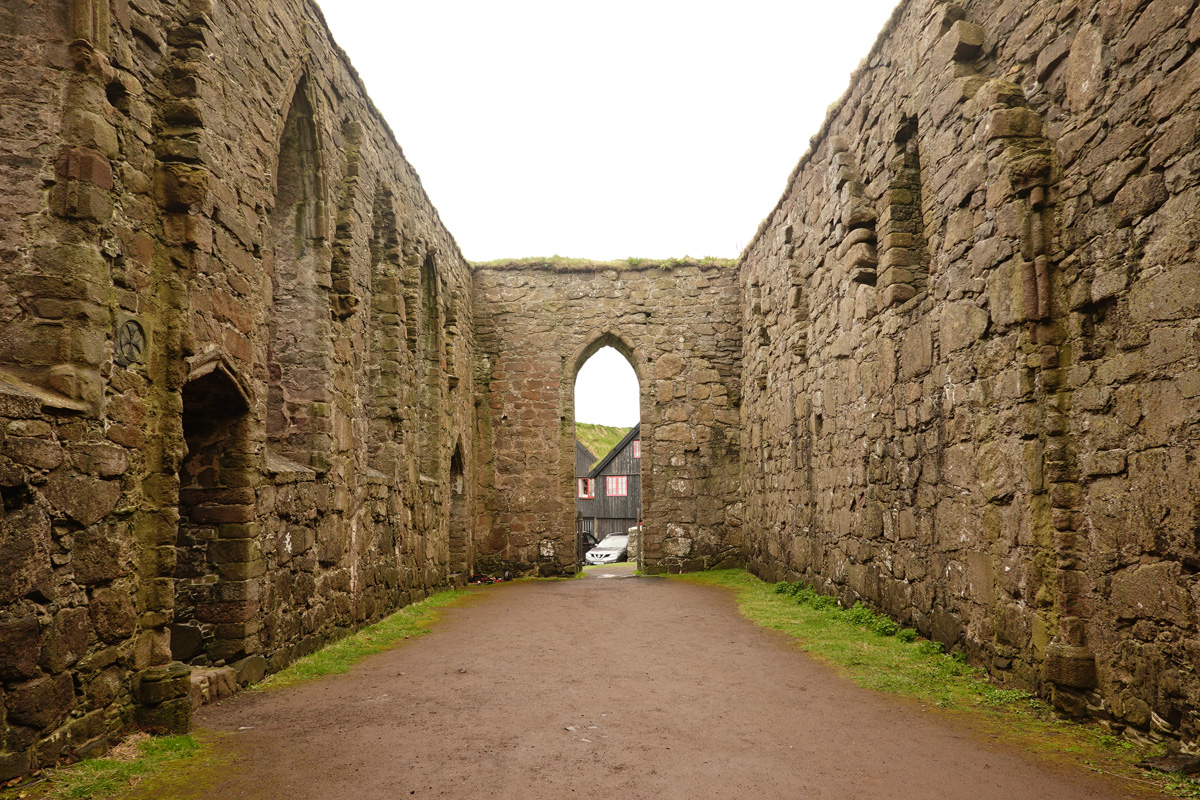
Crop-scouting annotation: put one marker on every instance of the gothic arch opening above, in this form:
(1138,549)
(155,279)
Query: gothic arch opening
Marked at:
(607,453)
(298,423)
(460,519)
(212,586)
(431,363)
(383,399)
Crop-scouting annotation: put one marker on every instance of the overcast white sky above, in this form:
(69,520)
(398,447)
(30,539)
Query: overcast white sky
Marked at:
(649,128)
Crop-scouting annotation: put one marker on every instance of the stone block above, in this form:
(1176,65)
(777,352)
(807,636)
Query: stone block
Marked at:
(1171,294)
(101,554)
(20,639)
(916,351)
(1151,591)
(81,201)
(1084,68)
(83,498)
(41,703)
(241,570)
(180,187)
(222,551)
(66,639)
(1103,462)
(25,554)
(103,460)
(1003,123)
(250,670)
(113,615)
(896,294)
(171,717)
(963,42)
(161,684)
(36,453)
(860,255)
(1069,666)
(91,133)
(963,324)
(998,93)
(1139,197)
(14,765)
(226,612)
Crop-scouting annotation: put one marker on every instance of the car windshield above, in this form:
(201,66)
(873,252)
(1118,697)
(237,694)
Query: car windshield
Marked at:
(614,540)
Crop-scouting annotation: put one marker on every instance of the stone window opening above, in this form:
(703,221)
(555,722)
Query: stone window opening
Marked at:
(384,396)
(903,252)
(431,359)
(216,508)
(299,358)
(459,522)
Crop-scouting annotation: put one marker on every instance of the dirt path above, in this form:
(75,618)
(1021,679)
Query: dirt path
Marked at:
(607,688)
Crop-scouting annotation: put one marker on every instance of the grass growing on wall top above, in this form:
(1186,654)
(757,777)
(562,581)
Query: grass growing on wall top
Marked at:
(340,656)
(874,652)
(563,263)
(599,439)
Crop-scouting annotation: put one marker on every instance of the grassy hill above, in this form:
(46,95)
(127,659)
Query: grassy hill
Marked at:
(599,438)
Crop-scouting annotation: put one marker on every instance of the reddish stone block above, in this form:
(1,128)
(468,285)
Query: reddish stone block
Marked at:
(88,166)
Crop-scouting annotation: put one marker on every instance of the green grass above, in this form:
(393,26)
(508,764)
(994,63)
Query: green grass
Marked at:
(599,439)
(564,263)
(877,654)
(343,654)
(139,758)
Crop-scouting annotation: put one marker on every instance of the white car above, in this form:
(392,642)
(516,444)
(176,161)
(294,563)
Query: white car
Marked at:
(612,548)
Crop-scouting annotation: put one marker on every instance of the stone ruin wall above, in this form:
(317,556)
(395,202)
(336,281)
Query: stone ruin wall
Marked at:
(287,456)
(955,374)
(678,325)
(971,376)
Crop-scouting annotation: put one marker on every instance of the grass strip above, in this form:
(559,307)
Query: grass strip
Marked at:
(138,758)
(874,652)
(338,657)
(142,758)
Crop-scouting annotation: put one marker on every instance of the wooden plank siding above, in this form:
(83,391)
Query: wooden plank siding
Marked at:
(584,459)
(610,511)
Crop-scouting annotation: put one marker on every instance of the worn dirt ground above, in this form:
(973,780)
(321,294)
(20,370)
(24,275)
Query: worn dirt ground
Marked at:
(608,688)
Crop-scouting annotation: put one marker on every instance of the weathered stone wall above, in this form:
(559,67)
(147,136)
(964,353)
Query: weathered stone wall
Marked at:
(252,396)
(678,324)
(970,360)
(234,361)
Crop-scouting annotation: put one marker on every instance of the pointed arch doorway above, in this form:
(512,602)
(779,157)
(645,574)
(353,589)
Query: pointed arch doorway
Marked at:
(608,455)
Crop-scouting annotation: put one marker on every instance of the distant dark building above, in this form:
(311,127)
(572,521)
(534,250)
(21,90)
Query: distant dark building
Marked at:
(608,497)
(584,527)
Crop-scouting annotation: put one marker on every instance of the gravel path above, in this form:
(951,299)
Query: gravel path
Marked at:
(608,687)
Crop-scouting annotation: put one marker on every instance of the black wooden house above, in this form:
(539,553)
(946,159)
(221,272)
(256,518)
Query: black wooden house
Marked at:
(608,499)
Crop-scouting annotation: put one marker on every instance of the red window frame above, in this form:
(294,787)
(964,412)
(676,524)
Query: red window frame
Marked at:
(616,486)
(586,488)
(637,448)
